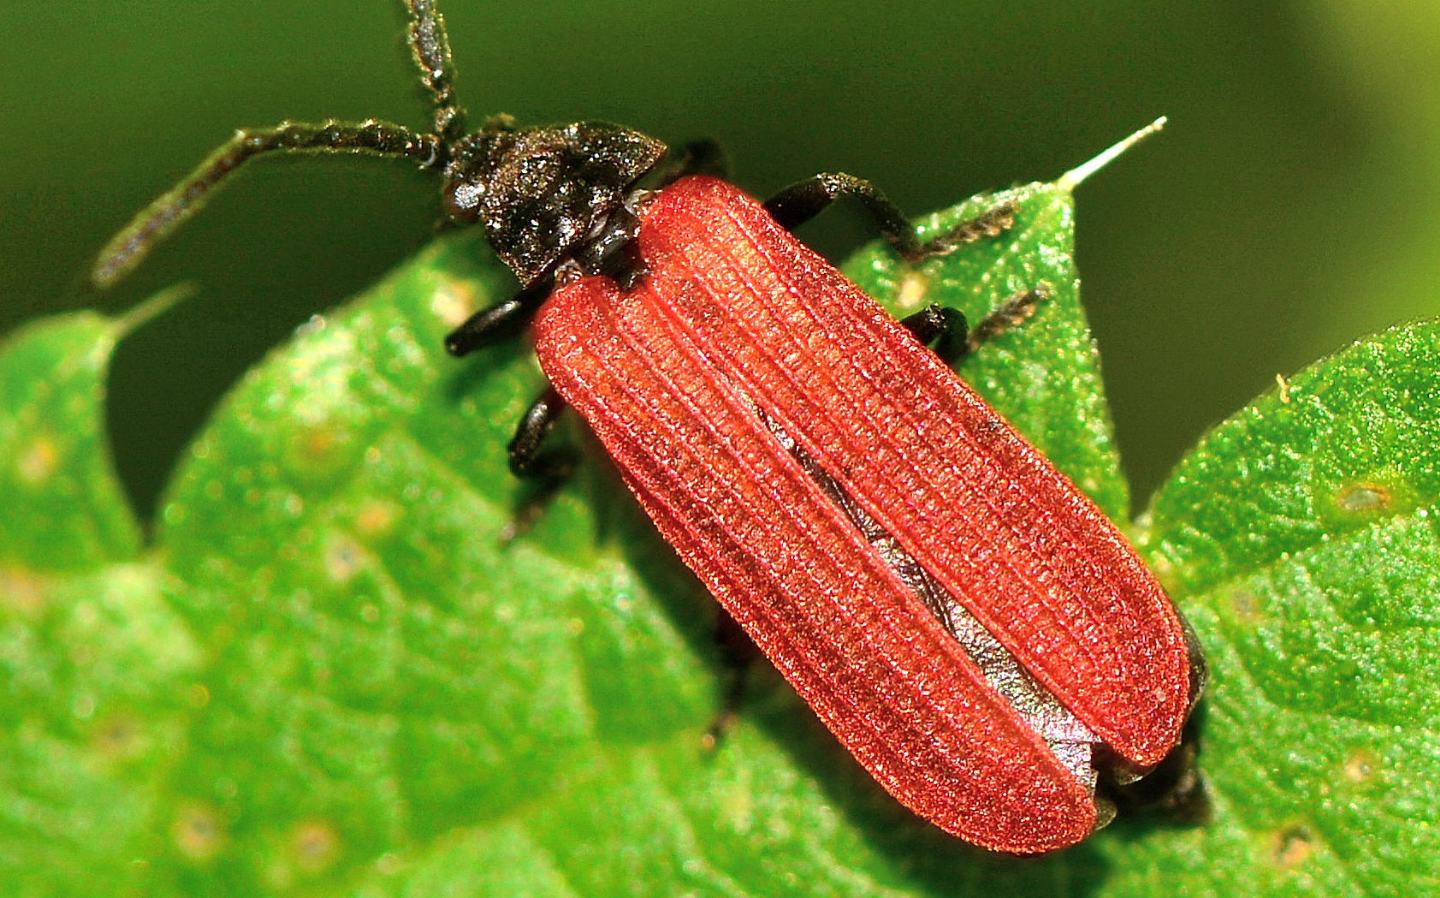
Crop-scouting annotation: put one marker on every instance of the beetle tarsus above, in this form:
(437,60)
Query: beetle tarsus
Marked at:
(1011,313)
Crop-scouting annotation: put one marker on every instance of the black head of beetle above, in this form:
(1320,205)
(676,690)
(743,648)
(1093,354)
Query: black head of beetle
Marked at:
(542,193)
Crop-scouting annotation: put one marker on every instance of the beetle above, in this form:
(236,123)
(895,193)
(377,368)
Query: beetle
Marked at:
(964,620)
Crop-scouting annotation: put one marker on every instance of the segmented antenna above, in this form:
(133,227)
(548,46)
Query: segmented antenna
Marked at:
(160,219)
(430,47)
(431,50)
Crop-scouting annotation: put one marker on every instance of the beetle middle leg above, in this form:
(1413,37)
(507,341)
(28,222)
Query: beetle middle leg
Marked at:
(801,202)
(530,460)
(947,331)
(738,656)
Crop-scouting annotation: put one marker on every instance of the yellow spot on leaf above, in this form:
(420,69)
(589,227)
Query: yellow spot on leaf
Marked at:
(321,451)
(1360,767)
(343,558)
(375,518)
(1246,606)
(38,461)
(452,302)
(198,832)
(1292,845)
(119,737)
(913,288)
(315,845)
(20,593)
(318,442)
(1362,497)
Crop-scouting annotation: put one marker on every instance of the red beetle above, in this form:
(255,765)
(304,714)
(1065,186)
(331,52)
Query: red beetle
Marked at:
(965,621)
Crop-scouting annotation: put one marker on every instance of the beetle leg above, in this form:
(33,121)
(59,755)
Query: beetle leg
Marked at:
(1013,312)
(943,329)
(947,331)
(526,458)
(1175,790)
(738,654)
(503,320)
(530,462)
(160,218)
(548,470)
(801,202)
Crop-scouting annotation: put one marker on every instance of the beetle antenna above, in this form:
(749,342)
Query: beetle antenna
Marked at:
(430,46)
(156,222)
(1072,178)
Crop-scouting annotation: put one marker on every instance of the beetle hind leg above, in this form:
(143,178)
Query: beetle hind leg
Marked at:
(947,331)
(801,202)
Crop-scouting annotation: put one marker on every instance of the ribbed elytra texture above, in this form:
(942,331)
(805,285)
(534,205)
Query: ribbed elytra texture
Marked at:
(735,315)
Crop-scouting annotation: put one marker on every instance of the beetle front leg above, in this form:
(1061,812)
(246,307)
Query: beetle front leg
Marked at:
(801,202)
(501,321)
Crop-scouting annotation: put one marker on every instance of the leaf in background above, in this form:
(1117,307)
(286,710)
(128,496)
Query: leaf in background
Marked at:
(1300,536)
(93,663)
(64,509)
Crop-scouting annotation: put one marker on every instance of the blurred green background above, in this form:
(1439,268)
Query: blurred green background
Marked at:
(1290,207)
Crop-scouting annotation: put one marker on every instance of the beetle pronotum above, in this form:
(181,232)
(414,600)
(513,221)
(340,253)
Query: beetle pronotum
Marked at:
(967,623)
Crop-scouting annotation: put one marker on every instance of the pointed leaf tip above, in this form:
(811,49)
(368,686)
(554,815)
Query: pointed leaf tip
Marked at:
(1072,178)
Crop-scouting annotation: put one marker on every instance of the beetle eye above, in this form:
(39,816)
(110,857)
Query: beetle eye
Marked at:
(462,200)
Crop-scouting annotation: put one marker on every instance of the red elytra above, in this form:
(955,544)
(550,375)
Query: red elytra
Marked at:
(740,340)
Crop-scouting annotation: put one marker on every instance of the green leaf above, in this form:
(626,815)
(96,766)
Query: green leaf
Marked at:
(64,509)
(339,671)
(94,663)
(1301,538)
